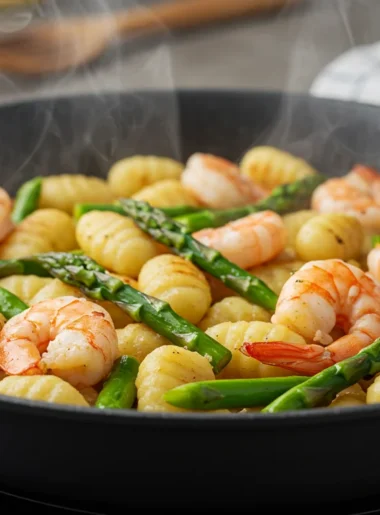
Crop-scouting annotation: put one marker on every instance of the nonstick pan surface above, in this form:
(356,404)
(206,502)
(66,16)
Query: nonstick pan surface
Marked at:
(186,460)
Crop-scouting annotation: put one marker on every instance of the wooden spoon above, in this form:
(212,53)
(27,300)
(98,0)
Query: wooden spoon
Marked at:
(71,42)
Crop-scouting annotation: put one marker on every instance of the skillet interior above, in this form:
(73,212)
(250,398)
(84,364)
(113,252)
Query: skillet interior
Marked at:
(86,135)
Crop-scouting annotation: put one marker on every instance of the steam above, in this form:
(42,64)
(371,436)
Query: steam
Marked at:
(323,128)
(126,68)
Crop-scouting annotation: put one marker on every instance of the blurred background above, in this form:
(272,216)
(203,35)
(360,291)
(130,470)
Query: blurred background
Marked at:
(289,49)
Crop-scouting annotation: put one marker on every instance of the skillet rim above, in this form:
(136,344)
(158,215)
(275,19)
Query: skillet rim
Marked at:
(199,421)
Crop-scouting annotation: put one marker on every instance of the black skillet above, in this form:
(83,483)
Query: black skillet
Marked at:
(186,461)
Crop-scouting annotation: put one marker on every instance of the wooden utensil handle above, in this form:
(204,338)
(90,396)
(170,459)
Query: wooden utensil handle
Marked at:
(187,13)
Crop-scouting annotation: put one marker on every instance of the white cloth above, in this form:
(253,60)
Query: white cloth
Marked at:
(354,75)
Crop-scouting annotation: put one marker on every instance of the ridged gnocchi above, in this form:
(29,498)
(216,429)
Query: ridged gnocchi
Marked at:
(234,334)
(115,242)
(53,289)
(139,340)
(293,223)
(233,309)
(25,286)
(46,388)
(330,236)
(271,167)
(65,190)
(275,275)
(44,230)
(166,193)
(177,281)
(165,368)
(129,175)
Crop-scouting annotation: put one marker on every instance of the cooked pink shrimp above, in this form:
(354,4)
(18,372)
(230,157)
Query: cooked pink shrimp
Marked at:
(6,224)
(373,262)
(217,182)
(319,297)
(249,241)
(356,194)
(70,337)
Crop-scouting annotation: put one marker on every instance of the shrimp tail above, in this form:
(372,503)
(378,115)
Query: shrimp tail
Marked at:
(303,359)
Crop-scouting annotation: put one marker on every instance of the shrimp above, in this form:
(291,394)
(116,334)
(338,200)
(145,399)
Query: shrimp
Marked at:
(70,337)
(373,262)
(319,298)
(249,241)
(217,183)
(356,194)
(6,223)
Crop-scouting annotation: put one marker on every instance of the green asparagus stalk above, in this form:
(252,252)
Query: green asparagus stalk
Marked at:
(283,199)
(10,304)
(27,199)
(84,273)
(119,390)
(21,267)
(320,389)
(174,235)
(82,209)
(375,240)
(230,393)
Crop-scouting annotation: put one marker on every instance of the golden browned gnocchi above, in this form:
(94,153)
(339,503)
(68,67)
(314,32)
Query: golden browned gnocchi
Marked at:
(293,223)
(275,275)
(165,368)
(272,167)
(177,281)
(131,174)
(329,236)
(115,242)
(45,388)
(139,340)
(234,334)
(166,193)
(233,309)
(64,191)
(45,230)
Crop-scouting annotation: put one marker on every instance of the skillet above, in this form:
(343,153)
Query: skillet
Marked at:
(185,460)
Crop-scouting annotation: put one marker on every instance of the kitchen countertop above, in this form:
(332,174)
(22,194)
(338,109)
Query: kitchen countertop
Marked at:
(283,51)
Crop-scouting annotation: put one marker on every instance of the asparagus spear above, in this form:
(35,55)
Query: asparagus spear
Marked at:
(230,393)
(92,279)
(320,389)
(10,304)
(119,390)
(174,235)
(82,209)
(27,199)
(283,199)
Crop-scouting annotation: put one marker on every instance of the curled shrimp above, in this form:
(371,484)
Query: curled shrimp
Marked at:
(217,182)
(249,241)
(373,262)
(319,297)
(6,223)
(70,337)
(356,194)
